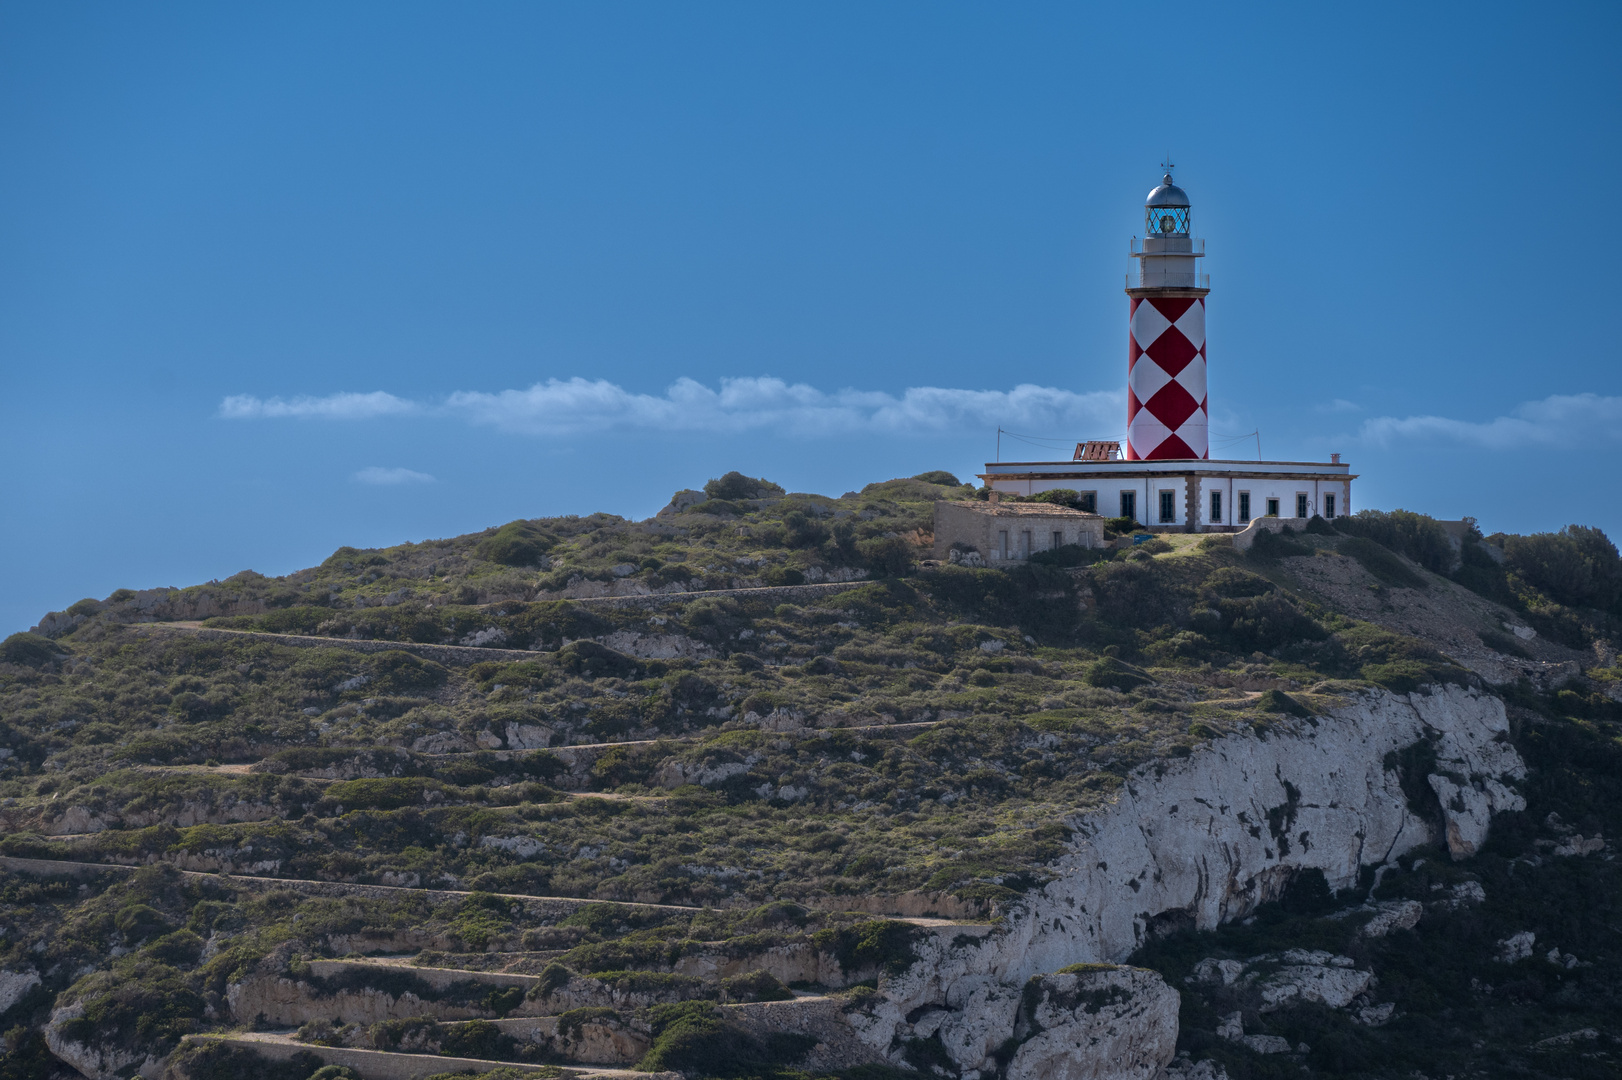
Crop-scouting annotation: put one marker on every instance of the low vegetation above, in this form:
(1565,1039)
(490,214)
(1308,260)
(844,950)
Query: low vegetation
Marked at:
(708,775)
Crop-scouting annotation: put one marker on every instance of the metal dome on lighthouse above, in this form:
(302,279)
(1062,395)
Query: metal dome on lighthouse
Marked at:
(1167,411)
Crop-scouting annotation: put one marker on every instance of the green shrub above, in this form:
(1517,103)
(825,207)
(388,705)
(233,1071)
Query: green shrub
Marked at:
(1418,536)
(138,922)
(881,943)
(379,793)
(211,1059)
(1115,674)
(755,986)
(399,672)
(517,543)
(1069,555)
(29,650)
(939,476)
(590,660)
(1577,566)
(735,485)
(179,949)
(886,556)
(696,1037)
(1054,497)
(1380,562)
(1271,546)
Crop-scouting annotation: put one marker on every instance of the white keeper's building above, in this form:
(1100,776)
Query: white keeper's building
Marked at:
(1164,477)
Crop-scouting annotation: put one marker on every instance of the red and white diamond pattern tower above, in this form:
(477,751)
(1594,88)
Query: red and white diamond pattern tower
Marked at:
(1167,409)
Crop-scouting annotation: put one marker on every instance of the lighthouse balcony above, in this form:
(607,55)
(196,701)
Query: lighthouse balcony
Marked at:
(1167,279)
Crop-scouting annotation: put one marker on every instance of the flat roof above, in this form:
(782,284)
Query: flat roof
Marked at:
(1029,509)
(1175,466)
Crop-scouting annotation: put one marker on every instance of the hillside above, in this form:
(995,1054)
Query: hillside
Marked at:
(756,788)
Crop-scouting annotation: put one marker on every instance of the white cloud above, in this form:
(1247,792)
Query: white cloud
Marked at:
(1340,405)
(1563,420)
(569,407)
(332,407)
(377,475)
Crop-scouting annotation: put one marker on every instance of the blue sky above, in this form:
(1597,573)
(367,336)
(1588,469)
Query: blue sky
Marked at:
(280,277)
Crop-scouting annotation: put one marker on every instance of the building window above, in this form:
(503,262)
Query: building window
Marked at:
(1244,507)
(1216,508)
(1129,505)
(1025,543)
(1272,508)
(1168,507)
(1058,539)
(1088,501)
(1302,504)
(1002,544)
(1329,506)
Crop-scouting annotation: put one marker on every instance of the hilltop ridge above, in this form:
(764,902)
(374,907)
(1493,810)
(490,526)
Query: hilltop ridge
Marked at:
(755,787)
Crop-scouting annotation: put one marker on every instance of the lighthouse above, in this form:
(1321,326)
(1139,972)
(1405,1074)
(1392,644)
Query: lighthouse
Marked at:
(1167,410)
(1163,478)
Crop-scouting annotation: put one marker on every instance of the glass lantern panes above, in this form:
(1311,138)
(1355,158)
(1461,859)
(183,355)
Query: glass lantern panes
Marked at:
(1166,221)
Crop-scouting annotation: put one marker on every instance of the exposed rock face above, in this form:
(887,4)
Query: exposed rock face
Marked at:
(13,985)
(1395,915)
(281,1000)
(1203,840)
(92,1059)
(657,646)
(1118,1023)
(1312,975)
(822,1018)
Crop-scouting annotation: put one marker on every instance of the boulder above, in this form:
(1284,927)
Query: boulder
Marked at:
(1102,1021)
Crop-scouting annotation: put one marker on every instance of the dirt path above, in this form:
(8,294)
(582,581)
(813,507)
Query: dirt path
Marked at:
(384,1065)
(73,867)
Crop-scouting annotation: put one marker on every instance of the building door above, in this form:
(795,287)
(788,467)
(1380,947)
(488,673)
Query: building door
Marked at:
(1129,505)
(1302,504)
(1025,544)
(1168,507)
(1216,508)
(1058,539)
(1329,506)
(1002,545)
(1244,507)
(1272,508)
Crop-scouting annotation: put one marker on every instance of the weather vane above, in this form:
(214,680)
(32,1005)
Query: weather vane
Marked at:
(1168,164)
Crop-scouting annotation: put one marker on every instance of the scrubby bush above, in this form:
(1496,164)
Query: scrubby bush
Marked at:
(886,556)
(735,486)
(1418,536)
(29,650)
(939,476)
(398,672)
(517,543)
(1577,566)
(1380,562)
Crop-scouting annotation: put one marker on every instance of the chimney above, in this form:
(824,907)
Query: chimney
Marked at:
(1334,459)
(993,496)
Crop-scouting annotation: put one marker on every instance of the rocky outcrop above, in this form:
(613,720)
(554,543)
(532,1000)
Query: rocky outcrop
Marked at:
(821,1018)
(1205,839)
(1115,1023)
(608,1039)
(93,1059)
(14,984)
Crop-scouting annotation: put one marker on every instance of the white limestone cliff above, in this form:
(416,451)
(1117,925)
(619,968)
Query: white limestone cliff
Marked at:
(1201,840)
